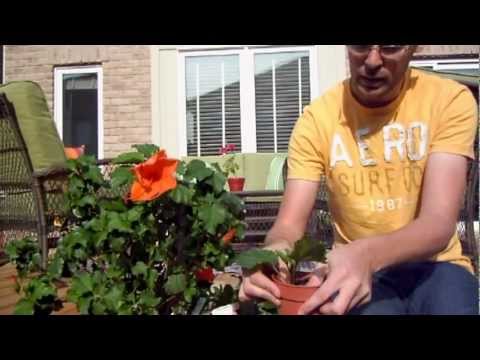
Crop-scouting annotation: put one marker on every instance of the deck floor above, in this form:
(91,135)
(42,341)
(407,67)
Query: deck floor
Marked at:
(8,296)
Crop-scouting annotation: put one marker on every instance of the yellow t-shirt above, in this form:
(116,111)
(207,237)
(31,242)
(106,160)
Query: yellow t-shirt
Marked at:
(373,159)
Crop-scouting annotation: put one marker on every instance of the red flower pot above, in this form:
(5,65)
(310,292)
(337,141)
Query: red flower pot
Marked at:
(236,183)
(292,296)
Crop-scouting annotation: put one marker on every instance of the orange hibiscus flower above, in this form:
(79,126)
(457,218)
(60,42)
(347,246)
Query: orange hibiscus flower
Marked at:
(74,152)
(228,236)
(154,177)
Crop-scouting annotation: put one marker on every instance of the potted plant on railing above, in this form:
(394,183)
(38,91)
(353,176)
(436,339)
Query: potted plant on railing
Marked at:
(298,261)
(230,168)
(148,238)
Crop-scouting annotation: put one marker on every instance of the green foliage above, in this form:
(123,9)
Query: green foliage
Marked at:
(305,249)
(25,254)
(123,257)
(230,166)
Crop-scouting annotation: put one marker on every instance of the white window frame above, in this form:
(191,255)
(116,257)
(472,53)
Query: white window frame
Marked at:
(246,56)
(58,99)
(447,64)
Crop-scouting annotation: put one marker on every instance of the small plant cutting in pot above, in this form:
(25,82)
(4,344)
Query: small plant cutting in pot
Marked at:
(230,168)
(293,291)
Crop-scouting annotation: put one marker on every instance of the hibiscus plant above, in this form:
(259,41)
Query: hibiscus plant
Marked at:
(146,238)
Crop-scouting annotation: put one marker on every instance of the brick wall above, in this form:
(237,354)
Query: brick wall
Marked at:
(126,84)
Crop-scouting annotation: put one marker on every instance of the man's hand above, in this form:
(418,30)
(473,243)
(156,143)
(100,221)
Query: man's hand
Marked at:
(297,204)
(348,283)
(258,285)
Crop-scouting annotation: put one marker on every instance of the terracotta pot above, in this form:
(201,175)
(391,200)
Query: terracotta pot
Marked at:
(293,296)
(236,183)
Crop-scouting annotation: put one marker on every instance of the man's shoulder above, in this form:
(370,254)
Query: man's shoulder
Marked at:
(330,101)
(424,81)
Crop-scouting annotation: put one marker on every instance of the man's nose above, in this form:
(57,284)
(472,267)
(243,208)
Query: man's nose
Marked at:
(374,60)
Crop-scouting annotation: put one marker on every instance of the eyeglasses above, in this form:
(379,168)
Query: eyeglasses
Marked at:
(384,50)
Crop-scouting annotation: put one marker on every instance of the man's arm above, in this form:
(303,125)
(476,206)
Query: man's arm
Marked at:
(351,266)
(442,194)
(297,204)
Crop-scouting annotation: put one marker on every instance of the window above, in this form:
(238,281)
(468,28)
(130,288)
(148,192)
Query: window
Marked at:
(282,89)
(250,97)
(467,66)
(78,108)
(212,103)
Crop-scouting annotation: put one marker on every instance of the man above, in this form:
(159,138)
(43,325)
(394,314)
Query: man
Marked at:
(392,143)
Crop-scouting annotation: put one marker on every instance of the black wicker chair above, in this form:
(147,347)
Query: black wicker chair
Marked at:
(31,202)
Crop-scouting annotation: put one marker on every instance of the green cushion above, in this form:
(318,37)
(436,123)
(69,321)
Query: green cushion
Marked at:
(36,124)
(257,168)
(275,175)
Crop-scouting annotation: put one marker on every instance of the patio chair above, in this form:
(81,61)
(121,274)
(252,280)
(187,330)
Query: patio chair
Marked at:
(33,174)
(262,209)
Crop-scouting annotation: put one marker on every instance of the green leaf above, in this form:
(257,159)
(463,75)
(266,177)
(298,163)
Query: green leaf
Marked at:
(116,244)
(116,222)
(11,250)
(152,277)
(84,305)
(212,216)
(135,213)
(114,273)
(147,150)
(175,284)
(129,158)
(190,293)
(233,203)
(24,307)
(87,200)
(182,194)
(181,168)
(307,249)
(55,268)
(217,182)
(122,176)
(98,308)
(82,284)
(80,254)
(256,257)
(125,310)
(198,170)
(75,183)
(40,288)
(99,239)
(113,299)
(112,205)
(149,299)
(140,268)
(94,174)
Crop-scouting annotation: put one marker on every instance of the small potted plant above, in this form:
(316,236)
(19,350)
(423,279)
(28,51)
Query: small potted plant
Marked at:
(230,168)
(293,291)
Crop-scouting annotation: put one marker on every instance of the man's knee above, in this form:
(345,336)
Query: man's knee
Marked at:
(447,289)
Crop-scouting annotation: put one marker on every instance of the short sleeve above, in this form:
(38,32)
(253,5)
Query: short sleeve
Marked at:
(457,126)
(306,160)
